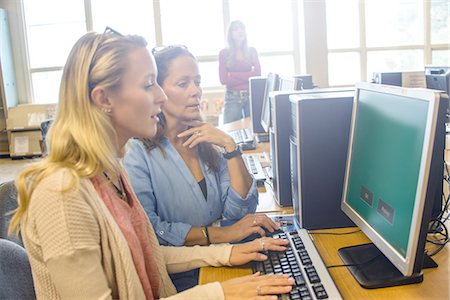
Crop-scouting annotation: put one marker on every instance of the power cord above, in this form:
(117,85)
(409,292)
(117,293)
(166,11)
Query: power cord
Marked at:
(437,228)
(440,236)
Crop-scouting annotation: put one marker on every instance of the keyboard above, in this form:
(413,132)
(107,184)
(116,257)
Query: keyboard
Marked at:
(242,136)
(302,262)
(254,167)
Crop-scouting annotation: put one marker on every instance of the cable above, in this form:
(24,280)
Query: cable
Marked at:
(352,265)
(335,233)
(440,230)
(437,226)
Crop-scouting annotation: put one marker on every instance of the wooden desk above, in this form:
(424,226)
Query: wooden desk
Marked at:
(435,285)
(267,202)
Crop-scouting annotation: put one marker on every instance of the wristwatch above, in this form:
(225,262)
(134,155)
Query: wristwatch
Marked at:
(234,153)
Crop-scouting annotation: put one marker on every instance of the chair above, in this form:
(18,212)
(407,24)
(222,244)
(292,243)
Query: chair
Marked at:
(45,125)
(16,281)
(8,203)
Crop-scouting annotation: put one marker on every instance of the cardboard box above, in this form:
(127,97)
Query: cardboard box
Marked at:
(29,116)
(25,143)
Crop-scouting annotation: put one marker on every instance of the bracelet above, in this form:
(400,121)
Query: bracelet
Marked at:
(234,153)
(206,234)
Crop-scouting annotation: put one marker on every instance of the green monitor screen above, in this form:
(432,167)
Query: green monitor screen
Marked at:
(388,168)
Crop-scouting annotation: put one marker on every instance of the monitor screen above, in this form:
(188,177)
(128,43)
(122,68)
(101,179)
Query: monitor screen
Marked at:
(272,84)
(395,154)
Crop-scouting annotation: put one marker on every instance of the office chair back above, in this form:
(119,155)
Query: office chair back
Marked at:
(16,281)
(8,203)
(45,125)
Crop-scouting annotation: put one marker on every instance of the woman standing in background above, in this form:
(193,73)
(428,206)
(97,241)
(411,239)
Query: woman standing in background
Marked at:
(237,64)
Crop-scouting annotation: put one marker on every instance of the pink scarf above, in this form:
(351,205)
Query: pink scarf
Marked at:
(132,221)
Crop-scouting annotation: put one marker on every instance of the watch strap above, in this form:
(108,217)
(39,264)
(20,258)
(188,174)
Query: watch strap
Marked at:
(234,153)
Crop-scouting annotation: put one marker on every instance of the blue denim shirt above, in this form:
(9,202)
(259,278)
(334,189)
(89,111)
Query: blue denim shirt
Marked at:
(172,197)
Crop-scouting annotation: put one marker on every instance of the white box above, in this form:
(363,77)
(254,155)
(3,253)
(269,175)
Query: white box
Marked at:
(25,143)
(29,116)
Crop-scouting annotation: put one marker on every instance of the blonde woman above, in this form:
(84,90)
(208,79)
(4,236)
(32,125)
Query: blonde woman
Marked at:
(237,64)
(86,234)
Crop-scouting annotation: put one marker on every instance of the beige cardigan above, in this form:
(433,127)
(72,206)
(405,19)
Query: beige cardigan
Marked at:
(77,250)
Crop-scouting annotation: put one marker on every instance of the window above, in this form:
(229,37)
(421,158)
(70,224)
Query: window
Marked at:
(131,16)
(342,27)
(197,24)
(48,21)
(394,38)
(394,23)
(343,68)
(270,31)
(200,25)
(359,36)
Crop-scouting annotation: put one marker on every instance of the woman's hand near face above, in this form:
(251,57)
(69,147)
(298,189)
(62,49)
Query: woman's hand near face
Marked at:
(201,132)
(257,287)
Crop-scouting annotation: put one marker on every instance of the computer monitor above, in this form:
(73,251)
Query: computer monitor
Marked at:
(257,87)
(272,84)
(394,166)
(287,84)
(438,78)
(303,82)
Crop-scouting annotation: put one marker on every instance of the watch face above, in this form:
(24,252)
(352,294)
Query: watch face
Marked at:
(236,152)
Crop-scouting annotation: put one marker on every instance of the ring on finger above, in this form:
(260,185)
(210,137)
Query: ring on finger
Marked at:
(262,243)
(255,221)
(258,290)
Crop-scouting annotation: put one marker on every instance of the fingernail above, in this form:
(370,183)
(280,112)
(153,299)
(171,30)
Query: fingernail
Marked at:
(291,280)
(263,257)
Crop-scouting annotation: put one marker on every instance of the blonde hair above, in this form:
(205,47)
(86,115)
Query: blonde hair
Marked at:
(81,138)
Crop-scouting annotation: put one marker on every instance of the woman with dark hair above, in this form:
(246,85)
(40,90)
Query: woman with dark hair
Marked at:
(237,64)
(184,182)
(182,178)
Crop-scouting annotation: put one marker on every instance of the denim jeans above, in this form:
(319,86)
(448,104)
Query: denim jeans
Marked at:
(236,106)
(185,280)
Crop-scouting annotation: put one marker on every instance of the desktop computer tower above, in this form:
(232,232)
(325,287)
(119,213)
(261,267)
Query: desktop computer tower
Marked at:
(415,79)
(279,146)
(438,78)
(319,141)
(279,131)
(257,86)
(303,82)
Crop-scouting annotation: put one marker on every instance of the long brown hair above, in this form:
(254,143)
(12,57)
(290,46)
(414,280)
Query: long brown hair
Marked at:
(163,59)
(232,47)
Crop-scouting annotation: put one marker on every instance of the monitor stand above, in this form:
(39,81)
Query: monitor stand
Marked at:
(262,137)
(373,270)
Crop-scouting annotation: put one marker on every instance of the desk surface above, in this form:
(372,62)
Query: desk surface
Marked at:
(267,202)
(436,284)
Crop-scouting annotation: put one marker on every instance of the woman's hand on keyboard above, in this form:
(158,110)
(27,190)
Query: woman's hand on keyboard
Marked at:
(244,253)
(248,225)
(257,287)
